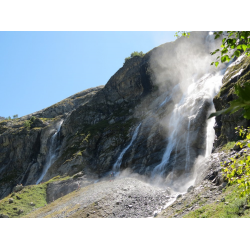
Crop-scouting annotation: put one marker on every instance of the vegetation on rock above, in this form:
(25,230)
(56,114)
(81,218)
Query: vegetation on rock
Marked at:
(135,53)
(237,171)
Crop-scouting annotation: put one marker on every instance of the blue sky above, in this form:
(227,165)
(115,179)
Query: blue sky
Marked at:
(38,69)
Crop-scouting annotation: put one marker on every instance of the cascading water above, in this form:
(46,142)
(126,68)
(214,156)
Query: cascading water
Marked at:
(116,166)
(185,114)
(52,153)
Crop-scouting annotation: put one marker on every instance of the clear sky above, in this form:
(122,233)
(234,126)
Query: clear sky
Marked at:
(38,69)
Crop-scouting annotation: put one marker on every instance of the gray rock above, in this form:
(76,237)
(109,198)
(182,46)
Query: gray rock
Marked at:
(18,197)
(190,189)
(224,184)
(213,188)
(11,200)
(20,211)
(4,216)
(179,196)
(223,199)
(17,188)
(32,204)
(112,121)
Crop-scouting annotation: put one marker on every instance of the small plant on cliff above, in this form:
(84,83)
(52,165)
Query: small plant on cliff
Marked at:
(237,171)
(27,124)
(32,119)
(135,53)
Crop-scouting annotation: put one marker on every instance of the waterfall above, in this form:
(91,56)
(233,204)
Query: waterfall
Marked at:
(185,116)
(52,153)
(116,166)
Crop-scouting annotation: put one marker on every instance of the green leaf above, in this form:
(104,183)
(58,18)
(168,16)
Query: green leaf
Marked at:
(224,51)
(237,53)
(225,58)
(244,47)
(216,64)
(239,46)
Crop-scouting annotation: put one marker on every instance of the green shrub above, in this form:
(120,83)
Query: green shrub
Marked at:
(32,119)
(135,53)
(27,124)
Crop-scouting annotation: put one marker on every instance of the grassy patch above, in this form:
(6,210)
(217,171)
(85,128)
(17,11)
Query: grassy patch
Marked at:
(23,198)
(228,146)
(45,211)
(234,208)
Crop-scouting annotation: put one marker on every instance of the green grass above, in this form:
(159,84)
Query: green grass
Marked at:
(32,193)
(234,209)
(228,146)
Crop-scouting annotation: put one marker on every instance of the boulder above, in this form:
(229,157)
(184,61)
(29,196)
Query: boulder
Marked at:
(18,188)
(179,196)
(11,200)
(18,197)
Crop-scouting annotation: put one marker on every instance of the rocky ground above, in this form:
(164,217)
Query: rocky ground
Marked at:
(119,198)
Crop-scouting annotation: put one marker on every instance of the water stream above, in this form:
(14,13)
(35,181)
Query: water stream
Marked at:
(116,166)
(52,152)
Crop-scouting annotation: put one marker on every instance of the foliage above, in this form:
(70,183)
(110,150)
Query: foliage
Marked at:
(135,53)
(234,43)
(27,124)
(32,119)
(237,171)
(178,34)
(15,116)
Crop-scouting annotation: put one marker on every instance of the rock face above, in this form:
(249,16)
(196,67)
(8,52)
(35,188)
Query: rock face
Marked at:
(90,129)
(23,148)
(238,72)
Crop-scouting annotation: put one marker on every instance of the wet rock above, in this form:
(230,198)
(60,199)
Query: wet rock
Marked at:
(179,196)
